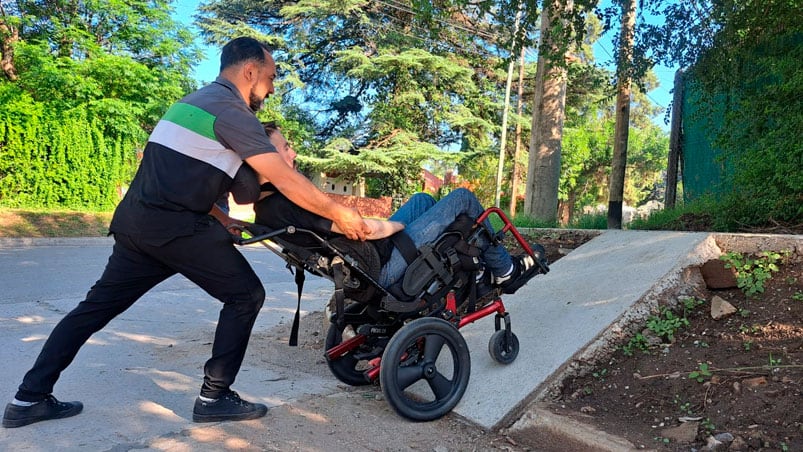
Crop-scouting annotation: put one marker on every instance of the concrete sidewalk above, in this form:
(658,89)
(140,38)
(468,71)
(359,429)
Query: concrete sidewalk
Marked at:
(561,317)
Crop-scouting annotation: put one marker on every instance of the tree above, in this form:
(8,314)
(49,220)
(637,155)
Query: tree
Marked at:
(623,91)
(543,174)
(91,79)
(751,54)
(9,36)
(426,75)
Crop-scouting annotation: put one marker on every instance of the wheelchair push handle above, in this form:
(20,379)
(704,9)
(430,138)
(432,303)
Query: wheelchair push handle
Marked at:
(257,233)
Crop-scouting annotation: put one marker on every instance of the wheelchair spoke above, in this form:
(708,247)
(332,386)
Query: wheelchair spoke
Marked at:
(408,375)
(432,347)
(440,386)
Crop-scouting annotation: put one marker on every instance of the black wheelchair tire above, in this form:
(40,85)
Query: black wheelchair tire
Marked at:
(346,368)
(500,350)
(411,356)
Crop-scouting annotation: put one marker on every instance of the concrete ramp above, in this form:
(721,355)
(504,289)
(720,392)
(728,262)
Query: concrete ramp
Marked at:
(560,316)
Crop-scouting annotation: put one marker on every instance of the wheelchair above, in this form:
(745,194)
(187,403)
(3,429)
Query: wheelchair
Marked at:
(405,337)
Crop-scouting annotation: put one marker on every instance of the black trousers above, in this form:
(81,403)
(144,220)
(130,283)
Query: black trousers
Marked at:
(207,258)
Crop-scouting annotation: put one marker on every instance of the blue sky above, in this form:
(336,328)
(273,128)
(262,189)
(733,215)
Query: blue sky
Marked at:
(207,69)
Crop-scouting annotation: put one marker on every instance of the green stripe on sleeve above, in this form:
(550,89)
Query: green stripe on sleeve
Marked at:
(192,118)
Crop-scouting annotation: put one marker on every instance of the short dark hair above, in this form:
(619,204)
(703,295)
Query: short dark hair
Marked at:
(242,49)
(270,127)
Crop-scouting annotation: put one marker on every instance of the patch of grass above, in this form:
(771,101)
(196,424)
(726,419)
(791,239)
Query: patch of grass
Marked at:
(590,221)
(18,223)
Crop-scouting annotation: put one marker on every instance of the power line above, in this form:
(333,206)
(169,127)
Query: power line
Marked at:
(406,9)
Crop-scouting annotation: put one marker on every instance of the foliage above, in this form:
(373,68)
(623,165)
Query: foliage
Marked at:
(750,54)
(93,79)
(666,324)
(701,374)
(69,159)
(388,87)
(752,273)
(589,221)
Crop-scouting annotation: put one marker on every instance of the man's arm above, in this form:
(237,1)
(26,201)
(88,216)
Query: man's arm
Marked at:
(379,228)
(306,195)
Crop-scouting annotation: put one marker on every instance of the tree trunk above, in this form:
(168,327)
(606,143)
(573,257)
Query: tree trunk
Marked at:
(566,208)
(675,143)
(543,172)
(9,35)
(616,187)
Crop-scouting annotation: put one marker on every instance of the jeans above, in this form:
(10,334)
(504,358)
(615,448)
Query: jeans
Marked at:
(424,220)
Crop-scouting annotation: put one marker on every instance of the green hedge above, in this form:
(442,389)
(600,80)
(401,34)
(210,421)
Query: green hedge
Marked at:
(79,158)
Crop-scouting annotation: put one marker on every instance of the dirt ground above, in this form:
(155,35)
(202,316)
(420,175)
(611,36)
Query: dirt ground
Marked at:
(738,379)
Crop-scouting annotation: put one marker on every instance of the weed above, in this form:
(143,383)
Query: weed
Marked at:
(662,440)
(744,329)
(708,426)
(637,342)
(600,374)
(690,304)
(701,374)
(751,274)
(590,221)
(774,362)
(666,324)
(798,296)
(685,408)
(744,312)
(747,345)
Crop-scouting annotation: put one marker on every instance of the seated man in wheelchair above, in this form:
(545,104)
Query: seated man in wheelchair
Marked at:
(422,219)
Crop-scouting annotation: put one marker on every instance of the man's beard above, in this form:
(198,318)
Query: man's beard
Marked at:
(255,102)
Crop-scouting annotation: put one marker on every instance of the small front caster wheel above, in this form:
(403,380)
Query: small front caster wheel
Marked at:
(502,350)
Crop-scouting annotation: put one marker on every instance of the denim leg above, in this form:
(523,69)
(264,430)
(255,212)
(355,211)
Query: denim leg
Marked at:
(428,226)
(413,208)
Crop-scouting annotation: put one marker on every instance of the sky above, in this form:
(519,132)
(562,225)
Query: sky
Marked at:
(207,69)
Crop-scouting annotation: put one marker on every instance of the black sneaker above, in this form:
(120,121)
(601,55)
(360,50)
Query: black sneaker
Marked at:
(524,268)
(228,407)
(50,408)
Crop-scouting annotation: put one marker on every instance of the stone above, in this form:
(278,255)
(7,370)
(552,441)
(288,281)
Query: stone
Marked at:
(716,276)
(684,433)
(720,308)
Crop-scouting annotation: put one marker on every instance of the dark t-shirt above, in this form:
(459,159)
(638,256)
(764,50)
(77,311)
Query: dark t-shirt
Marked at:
(189,162)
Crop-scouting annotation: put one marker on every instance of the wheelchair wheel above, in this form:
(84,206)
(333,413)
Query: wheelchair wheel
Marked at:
(349,368)
(421,381)
(501,350)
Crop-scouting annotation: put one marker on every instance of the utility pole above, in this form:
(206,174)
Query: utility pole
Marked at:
(515,178)
(616,186)
(503,140)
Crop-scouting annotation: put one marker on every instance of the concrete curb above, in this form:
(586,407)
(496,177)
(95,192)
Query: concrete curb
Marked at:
(555,433)
(7,242)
